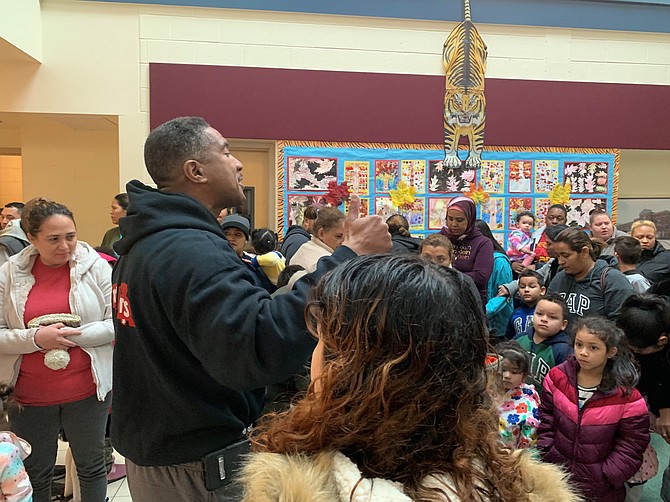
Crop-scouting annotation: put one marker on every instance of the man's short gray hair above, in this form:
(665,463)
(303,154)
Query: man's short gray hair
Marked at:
(173,143)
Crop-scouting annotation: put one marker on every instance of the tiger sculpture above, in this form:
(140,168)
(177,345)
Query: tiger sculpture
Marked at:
(464,58)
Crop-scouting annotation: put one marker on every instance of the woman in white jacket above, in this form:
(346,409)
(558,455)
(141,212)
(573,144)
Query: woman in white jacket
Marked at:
(62,367)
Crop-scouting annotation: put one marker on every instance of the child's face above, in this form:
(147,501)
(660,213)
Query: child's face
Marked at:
(512,376)
(591,352)
(548,319)
(437,254)
(525,224)
(530,290)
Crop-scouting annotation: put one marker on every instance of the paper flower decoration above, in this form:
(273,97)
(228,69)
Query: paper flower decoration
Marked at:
(336,194)
(477,194)
(403,195)
(560,194)
(56,359)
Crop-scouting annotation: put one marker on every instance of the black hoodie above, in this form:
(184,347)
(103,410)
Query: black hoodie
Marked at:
(196,340)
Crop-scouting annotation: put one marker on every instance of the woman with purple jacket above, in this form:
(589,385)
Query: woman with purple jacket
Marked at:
(473,252)
(592,419)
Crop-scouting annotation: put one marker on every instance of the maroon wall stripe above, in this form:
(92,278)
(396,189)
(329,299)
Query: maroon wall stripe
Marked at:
(268,103)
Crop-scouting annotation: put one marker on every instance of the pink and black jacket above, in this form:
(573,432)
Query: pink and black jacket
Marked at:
(602,444)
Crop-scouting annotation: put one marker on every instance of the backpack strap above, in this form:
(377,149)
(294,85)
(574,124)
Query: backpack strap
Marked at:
(603,279)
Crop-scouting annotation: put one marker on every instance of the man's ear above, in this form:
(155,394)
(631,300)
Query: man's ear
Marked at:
(662,341)
(194,171)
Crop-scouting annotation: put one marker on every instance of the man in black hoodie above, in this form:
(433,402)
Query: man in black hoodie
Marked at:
(196,340)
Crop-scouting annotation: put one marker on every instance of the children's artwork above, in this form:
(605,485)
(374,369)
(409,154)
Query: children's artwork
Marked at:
(384,207)
(445,180)
(546,175)
(387,175)
(306,173)
(357,176)
(493,213)
(541,208)
(520,173)
(516,205)
(579,210)
(297,205)
(415,214)
(414,173)
(587,177)
(364,210)
(500,237)
(511,179)
(437,212)
(492,176)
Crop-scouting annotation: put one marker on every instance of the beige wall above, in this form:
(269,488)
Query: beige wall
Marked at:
(21,29)
(96,61)
(644,173)
(78,168)
(11,176)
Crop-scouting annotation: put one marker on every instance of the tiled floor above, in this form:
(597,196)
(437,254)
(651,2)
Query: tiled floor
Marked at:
(116,491)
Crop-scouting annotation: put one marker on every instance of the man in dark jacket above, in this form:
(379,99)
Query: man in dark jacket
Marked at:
(196,340)
(297,235)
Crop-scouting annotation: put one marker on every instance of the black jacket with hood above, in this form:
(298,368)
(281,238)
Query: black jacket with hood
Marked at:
(196,340)
(655,263)
(296,236)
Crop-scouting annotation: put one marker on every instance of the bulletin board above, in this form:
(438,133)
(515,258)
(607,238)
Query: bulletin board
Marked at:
(516,179)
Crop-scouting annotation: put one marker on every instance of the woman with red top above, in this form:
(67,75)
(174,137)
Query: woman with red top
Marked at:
(59,276)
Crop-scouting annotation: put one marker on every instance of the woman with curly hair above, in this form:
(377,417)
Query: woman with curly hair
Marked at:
(397,409)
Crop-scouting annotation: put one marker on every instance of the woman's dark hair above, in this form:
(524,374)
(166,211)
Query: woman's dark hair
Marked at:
(514,353)
(644,319)
(403,386)
(398,225)
(122,199)
(264,240)
(552,232)
(577,239)
(39,209)
(620,370)
(328,217)
(521,214)
(486,232)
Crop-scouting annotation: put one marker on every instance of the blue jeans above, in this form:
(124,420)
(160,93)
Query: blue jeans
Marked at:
(84,425)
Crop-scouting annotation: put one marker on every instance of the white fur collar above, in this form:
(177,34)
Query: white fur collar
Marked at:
(347,477)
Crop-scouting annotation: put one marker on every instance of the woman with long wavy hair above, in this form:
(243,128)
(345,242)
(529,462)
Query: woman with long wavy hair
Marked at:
(397,409)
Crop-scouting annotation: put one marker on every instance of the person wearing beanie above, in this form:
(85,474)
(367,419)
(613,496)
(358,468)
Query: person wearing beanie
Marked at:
(236,230)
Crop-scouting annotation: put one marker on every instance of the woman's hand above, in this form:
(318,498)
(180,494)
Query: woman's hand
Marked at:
(54,336)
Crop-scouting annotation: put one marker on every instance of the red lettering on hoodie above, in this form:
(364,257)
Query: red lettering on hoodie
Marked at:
(121,304)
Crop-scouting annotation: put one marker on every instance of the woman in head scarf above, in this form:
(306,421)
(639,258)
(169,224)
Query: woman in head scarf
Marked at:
(473,252)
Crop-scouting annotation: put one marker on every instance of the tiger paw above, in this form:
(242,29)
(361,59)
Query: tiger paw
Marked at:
(474,161)
(451,161)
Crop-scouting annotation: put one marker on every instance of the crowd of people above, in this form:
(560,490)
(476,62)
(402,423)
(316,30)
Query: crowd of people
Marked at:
(351,361)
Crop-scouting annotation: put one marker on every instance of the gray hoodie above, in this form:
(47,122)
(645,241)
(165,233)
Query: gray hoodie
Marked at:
(589,296)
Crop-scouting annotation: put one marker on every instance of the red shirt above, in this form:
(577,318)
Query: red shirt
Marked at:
(540,249)
(38,385)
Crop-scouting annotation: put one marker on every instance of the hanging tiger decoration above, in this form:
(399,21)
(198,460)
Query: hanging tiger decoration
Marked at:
(464,58)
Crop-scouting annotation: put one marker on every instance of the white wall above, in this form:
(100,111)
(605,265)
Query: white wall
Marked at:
(96,56)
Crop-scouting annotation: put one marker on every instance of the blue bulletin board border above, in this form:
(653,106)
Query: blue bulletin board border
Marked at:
(304,169)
